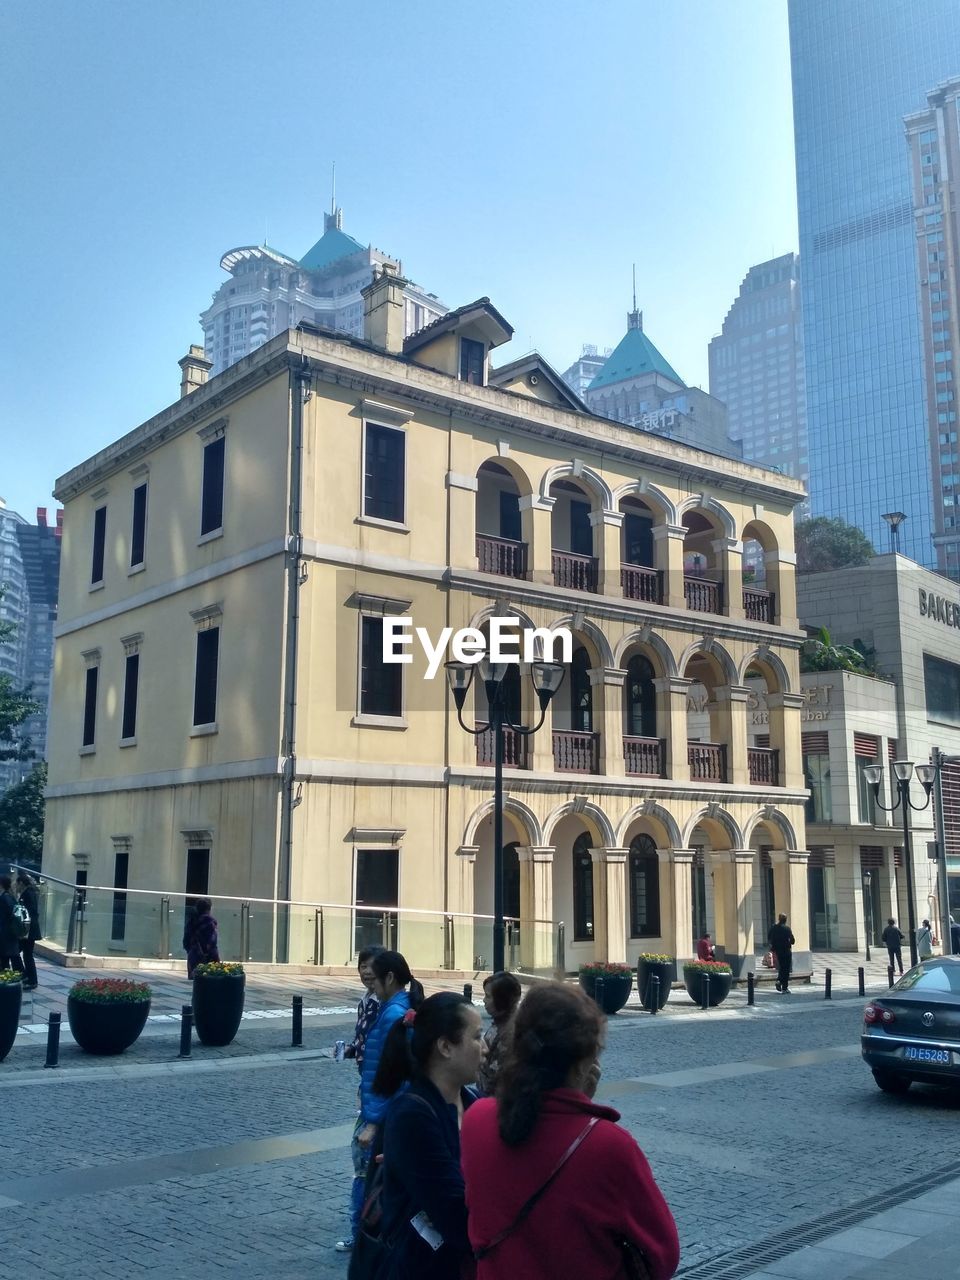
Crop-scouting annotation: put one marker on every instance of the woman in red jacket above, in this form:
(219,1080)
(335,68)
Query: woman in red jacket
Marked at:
(554,1186)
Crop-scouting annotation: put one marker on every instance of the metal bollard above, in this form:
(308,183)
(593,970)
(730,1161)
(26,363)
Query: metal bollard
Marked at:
(598,992)
(53,1041)
(861,989)
(297,1041)
(468,992)
(889,975)
(705,991)
(751,980)
(828,984)
(186,1029)
(653,994)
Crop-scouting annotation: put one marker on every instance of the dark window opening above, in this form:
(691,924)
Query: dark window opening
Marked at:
(641,698)
(471,361)
(205,685)
(211,503)
(581,534)
(383,473)
(131,682)
(581,695)
(644,871)
(941,682)
(377,884)
(118,927)
(582,889)
(139,532)
(638,539)
(90,706)
(381,683)
(511,880)
(99,543)
(510,523)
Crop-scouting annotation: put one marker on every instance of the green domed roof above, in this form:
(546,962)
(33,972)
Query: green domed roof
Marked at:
(635,356)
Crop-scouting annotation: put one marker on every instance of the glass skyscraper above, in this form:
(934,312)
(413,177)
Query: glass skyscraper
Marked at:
(859,67)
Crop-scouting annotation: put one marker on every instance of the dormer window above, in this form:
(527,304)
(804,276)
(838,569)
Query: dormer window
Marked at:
(472,358)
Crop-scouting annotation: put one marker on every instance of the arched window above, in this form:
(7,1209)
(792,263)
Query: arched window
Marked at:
(582,889)
(641,700)
(644,873)
(581,695)
(511,880)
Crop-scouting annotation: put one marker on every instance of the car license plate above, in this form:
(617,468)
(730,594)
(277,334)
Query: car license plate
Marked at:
(914,1054)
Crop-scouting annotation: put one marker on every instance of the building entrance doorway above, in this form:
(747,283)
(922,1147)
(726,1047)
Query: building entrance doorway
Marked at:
(376,890)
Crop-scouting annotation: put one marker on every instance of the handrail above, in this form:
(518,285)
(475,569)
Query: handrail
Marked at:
(41,878)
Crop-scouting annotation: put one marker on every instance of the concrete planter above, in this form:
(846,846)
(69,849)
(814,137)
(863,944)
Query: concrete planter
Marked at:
(11,994)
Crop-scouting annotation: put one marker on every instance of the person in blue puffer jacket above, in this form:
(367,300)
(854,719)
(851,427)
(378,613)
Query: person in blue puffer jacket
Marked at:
(391,978)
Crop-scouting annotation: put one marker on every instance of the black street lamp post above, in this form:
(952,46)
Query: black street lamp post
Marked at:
(547,678)
(868,909)
(903,769)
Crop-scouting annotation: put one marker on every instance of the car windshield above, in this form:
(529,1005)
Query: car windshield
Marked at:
(932,977)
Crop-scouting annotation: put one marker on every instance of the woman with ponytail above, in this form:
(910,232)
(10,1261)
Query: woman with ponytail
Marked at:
(391,978)
(554,1186)
(429,1058)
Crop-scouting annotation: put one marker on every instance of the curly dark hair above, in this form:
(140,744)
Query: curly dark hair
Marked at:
(556,1027)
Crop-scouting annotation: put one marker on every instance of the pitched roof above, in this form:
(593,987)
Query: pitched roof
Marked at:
(332,245)
(482,311)
(534,363)
(635,356)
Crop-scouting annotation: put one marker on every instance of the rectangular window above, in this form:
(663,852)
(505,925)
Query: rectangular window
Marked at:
(139,531)
(941,682)
(131,682)
(383,473)
(816,776)
(471,361)
(866,751)
(381,683)
(211,502)
(90,706)
(118,927)
(205,684)
(99,544)
(376,888)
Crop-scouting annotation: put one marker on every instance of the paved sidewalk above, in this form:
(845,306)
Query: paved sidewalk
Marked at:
(920,1237)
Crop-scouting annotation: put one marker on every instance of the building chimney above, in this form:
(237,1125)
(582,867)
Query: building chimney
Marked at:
(194,368)
(59,530)
(41,517)
(383,310)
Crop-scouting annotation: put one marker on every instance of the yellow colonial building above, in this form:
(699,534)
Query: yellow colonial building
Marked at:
(223,720)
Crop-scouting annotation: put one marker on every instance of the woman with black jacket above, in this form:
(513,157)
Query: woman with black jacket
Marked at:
(29,899)
(428,1060)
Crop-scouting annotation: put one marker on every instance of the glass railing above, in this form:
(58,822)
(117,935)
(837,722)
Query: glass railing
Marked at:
(98,920)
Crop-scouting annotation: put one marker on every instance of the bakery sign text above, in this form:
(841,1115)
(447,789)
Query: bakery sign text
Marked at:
(937,609)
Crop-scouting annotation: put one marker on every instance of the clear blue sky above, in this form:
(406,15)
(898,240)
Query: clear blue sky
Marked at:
(530,151)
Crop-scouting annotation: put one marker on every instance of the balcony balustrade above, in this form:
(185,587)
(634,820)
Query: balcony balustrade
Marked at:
(502,556)
(703,594)
(708,761)
(758,604)
(644,757)
(764,766)
(515,748)
(576,573)
(576,752)
(641,583)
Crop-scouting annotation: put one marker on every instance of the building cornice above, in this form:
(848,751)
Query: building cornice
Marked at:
(355,367)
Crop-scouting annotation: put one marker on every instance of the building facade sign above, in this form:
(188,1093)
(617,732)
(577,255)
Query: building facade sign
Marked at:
(938,608)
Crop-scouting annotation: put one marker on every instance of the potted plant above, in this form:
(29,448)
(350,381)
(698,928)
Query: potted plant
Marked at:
(106,1015)
(217,1001)
(721,980)
(652,964)
(11,993)
(617,981)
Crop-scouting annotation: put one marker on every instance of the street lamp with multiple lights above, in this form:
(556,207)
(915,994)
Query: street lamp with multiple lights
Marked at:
(903,770)
(547,678)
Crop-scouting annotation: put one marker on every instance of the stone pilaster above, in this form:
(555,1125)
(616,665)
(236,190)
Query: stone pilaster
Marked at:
(672,725)
(536,526)
(608,681)
(676,868)
(728,724)
(728,554)
(784,710)
(537,931)
(733,906)
(607,544)
(610,903)
(668,557)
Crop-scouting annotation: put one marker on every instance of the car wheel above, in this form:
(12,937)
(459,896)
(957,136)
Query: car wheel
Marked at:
(891,1081)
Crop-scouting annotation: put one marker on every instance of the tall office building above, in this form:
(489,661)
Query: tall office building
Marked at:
(756,368)
(933,135)
(269,292)
(858,68)
(583,370)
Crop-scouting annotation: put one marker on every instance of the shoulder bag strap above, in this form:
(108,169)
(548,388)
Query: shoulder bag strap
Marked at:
(528,1207)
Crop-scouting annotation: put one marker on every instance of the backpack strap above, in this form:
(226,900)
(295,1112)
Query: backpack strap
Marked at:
(529,1205)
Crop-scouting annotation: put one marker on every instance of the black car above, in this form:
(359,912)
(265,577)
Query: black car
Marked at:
(912,1031)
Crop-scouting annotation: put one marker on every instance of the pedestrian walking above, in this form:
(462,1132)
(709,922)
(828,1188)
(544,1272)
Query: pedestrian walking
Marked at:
(501,995)
(30,900)
(391,978)
(705,948)
(554,1186)
(781,942)
(9,933)
(204,937)
(367,1010)
(925,940)
(893,941)
(428,1059)
(954,937)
